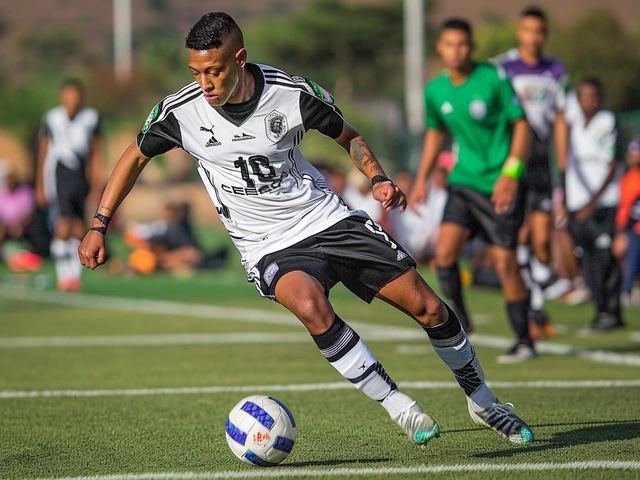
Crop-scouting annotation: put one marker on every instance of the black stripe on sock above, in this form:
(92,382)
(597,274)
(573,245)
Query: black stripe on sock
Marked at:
(331,336)
(467,377)
(447,334)
(332,343)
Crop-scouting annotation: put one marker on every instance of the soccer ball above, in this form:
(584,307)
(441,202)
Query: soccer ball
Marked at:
(260,431)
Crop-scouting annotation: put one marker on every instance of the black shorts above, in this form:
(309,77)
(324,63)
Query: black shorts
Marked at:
(355,251)
(538,201)
(537,178)
(474,210)
(72,190)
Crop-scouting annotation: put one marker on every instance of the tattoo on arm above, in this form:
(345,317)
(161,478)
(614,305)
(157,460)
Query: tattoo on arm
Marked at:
(361,153)
(106,208)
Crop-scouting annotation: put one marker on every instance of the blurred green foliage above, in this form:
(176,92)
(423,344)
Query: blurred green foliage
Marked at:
(354,50)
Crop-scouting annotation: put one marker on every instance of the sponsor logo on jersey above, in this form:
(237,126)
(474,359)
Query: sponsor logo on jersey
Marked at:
(240,138)
(478,109)
(314,88)
(212,141)
(270,273)
(276,126)
(153,115)
(446,108)
(401,255)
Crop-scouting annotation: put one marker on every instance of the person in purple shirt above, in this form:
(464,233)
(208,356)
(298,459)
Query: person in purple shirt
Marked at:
(17,203)
(541,84)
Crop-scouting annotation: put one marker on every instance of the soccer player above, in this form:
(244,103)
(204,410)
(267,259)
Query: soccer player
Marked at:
(476,103)
(541,84)
(69,169)
(591,175)
(243,123)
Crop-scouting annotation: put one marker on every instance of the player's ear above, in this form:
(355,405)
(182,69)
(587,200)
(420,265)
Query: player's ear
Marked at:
(241,57)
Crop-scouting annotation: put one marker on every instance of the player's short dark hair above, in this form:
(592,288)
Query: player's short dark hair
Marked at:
(73,82)
(213,30)
(535,12)
(594,82)
(457,24)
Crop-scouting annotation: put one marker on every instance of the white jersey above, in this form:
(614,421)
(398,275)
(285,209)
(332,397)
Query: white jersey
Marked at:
(592,148)
(266,194)
(541,88)
(69,141)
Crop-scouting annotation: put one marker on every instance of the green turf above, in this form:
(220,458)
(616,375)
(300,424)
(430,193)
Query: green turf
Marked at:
(57,437)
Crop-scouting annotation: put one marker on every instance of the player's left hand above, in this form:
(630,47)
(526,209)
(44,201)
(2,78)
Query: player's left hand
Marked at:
(504,194)
(390,196)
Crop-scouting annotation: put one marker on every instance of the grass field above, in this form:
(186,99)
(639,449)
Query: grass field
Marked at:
(135,377)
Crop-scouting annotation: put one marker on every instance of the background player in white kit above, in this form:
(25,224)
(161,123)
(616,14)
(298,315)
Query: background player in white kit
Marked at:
(541,83)
(70,166)
(243,123)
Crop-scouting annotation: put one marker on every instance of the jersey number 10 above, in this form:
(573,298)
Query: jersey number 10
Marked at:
(259,166)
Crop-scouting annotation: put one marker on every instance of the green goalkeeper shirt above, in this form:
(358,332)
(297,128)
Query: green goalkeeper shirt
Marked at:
(479,114)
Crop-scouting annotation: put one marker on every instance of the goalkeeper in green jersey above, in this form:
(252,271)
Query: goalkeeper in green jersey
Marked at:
(476,104)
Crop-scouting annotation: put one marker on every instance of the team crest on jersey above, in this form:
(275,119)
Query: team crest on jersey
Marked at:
(478,109)
(153,115)
(212,141)
(276,126)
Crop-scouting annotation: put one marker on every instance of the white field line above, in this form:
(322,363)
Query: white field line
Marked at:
(161,307)
(186,339)
(284,472)
(260,316)
(308,387)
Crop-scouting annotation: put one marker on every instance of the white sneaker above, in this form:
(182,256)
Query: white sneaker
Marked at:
(519,353)
(419,426)
(500,417)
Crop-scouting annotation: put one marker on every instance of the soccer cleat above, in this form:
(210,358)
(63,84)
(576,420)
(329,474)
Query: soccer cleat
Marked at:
(605,322)
(419,426)
(539,325)
(519,353)
(500,417)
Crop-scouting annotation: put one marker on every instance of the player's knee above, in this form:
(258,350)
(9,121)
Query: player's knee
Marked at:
(506,265)
(315,313)
(445,256)
(431,312)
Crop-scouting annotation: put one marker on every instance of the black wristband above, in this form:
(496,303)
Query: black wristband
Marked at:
(103,219)
(380,179)
(102,230)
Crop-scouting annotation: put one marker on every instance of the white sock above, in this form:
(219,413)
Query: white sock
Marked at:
(540,272)
(537,297)
(58,251)
(348,354)
(74,266)
(523,254)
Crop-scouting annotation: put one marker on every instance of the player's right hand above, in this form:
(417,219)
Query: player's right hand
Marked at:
(417,196)
(93,250)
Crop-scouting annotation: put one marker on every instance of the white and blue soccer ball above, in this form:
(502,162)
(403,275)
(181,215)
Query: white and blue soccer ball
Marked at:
(261,431)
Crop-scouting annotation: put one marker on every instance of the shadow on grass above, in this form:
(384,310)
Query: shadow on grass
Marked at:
(346,461)
(595,432)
